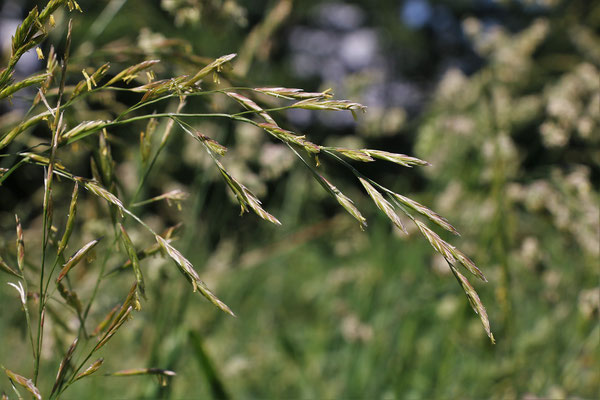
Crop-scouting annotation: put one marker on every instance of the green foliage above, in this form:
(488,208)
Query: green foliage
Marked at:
(89,120)
(130,121)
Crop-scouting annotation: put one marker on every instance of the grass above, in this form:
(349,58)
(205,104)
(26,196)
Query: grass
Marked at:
(317,320)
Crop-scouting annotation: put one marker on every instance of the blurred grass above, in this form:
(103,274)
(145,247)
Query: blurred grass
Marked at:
(325,311)
(376,322)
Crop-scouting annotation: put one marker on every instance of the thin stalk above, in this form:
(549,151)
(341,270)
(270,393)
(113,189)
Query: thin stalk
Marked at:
(12,169)
(48,198)
(162,145)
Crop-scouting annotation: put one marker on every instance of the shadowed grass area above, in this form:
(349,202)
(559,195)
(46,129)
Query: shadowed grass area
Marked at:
(322,321)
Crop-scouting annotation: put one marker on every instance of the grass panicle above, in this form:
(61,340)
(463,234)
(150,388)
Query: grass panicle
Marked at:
(70,111)
(24,382)
(76,258)
(64,365)
(383,204)
(135,262)
(93,367)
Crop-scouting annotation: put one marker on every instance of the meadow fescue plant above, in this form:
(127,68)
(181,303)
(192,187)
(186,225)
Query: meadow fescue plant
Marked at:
(60,93)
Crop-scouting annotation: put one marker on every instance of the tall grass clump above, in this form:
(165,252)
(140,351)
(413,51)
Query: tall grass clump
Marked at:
(88,228)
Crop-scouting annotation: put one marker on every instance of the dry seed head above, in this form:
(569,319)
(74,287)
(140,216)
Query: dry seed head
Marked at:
(63,365)
(345,202)
(215,65)
(290,137)
(334,105)
(143,371)
(75,258)
(106,161)
(114,327)
(99,191)
(235,186)
(358,155)
(468,264)
(70,297)
(70,220)
(20,246)
(161,374)
(91,369)
(245,197)
(86,126)
(145,146)
(382,204)
(26,383)
(293,93)
(135,262)
(476,303)
(180,260)
(421,209)
(255,205)
(251,105)
(104,323)
(42,160)
(188,269)
(401,159)
(436,242)
(212,144)
(131,72)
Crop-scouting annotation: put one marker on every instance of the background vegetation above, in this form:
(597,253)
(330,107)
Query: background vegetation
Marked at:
(501,97)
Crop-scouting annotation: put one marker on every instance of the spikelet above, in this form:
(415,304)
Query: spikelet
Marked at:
(382,204)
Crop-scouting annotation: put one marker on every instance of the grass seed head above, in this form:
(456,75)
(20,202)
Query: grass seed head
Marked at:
(30,81)
(252,106)
(294,94)
(290,137)
(64,364)
(135,262)
(475,302)
(358,155)
(212,144)
(70,221)
(70,297)
(400,159)
(22,381)
(188,269)
(216,65)
(345,202)
(421,209)
(128,74)
(20,246)
(76,258)
(383,204)
(95,366)
(83,127)
(441,246)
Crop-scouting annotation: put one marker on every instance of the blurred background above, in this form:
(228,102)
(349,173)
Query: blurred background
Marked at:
(501,97)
